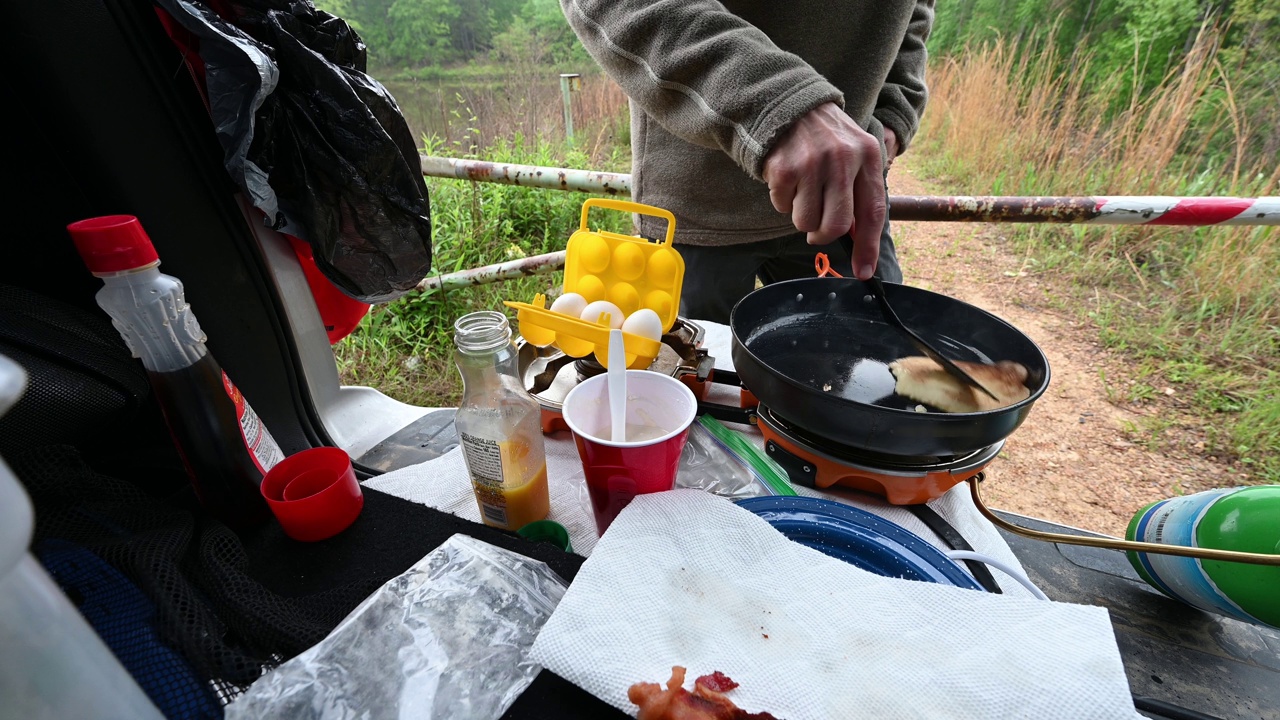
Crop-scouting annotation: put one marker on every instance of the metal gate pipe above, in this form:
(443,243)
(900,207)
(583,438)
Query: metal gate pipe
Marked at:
(1085,210)
(1089,210)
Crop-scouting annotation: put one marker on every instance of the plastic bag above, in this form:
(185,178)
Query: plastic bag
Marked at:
(319,146)
(708,465)
(722,462)
(449,638)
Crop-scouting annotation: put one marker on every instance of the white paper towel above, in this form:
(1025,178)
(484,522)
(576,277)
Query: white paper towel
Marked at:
(686,578)
(443,484)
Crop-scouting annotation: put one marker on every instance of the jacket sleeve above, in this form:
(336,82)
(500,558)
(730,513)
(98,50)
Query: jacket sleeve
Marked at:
(704,74)
(903,97)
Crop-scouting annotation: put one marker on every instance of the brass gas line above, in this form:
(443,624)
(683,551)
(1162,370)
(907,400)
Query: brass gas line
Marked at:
(1112,543)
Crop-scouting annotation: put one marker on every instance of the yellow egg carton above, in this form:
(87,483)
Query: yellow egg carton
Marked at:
(631,272)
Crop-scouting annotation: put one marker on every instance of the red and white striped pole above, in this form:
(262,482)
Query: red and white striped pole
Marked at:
(1114,210)
(1117,210)
(1109,210)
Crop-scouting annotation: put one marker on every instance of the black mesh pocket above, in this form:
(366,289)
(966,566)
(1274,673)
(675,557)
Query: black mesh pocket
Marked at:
(225,623)
(82,381)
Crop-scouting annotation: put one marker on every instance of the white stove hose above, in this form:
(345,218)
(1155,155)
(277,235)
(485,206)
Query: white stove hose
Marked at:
(1002,567)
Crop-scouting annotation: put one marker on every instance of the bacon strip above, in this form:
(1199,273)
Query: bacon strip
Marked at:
(706,702)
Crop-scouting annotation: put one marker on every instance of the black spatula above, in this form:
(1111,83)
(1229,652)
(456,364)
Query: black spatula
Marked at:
(952,369)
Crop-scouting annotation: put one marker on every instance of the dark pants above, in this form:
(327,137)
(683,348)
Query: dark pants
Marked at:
(716,277)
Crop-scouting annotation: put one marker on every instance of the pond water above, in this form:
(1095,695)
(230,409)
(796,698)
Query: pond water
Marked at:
(480,111)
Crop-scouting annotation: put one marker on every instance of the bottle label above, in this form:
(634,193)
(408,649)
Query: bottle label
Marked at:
(1174,522)
(261,446)
(484,464)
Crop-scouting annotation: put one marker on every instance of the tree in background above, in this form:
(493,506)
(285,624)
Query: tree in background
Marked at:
(1138,43)
(417,33)
(418,30)
(540,34)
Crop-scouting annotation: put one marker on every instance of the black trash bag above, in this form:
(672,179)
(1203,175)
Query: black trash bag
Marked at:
(319,146)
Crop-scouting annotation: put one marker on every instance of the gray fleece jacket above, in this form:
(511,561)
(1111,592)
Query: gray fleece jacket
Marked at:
(713,85)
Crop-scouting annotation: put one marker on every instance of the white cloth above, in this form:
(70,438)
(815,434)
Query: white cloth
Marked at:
(687,578)
(443,483)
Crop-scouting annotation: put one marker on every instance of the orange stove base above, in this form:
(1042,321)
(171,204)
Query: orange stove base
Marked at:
(897,489)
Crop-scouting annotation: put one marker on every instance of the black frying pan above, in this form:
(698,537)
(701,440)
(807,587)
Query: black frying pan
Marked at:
(816,352)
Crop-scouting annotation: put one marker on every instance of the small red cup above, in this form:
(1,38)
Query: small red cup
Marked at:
(314,494)
(618,471)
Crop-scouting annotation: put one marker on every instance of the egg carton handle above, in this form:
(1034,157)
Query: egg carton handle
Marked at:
(631,207)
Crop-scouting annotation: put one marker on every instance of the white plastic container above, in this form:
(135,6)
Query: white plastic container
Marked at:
(52,663)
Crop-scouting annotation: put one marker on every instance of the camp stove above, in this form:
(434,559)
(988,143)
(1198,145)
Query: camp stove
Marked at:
(817,462)
(549,374)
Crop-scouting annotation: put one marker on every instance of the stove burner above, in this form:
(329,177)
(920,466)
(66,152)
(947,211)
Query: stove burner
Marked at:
(816,462)
(589,367)
(549,374)
(859,457)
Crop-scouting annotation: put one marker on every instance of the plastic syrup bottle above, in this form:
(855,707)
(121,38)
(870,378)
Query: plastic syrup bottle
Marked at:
(223,443)
(499,425)
(1245,519)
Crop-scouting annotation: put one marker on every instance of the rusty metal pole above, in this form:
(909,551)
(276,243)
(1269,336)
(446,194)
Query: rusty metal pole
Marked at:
(547,178)
(1114,210)
(524,267)
(1101,210)
(1091,210)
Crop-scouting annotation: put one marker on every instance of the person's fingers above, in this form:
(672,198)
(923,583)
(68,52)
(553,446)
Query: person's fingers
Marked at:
(890,143)
(782,197)
(806,208)
(837,206)
(871,206)
(782,181)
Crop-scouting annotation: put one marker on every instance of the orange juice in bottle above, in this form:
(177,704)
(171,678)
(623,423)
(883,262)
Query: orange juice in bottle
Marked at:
(499,425)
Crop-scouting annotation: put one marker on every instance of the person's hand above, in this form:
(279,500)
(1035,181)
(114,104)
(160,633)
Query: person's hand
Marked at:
(826,173)
(890,144)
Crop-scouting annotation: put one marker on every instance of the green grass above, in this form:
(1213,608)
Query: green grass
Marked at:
(405,348)
(1195,310)
(1219,359)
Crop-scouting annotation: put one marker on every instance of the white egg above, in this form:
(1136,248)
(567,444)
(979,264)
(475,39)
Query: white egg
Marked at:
(643,323)
(569,304)
(591,313)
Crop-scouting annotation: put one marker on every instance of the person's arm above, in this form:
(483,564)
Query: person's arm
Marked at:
(704,74)
(710,78)
(903,97)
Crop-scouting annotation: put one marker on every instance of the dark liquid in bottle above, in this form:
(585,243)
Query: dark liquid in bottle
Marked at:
(202,419)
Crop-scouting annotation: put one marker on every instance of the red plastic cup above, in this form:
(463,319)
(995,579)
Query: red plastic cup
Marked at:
(661,406)
(314,494)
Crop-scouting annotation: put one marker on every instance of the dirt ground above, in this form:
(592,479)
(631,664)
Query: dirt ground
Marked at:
(1074,460)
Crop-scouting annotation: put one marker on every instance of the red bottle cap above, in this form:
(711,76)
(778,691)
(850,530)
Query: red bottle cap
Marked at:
(112,243)
(314,493)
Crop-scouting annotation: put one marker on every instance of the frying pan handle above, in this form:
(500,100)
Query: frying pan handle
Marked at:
(1112,543)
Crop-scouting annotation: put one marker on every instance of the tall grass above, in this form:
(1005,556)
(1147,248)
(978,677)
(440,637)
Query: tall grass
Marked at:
(1199,308)
(469,109)
(404,348)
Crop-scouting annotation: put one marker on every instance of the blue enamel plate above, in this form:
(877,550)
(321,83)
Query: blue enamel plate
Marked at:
(859,538)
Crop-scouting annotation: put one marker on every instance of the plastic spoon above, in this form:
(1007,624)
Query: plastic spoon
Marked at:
(618,385)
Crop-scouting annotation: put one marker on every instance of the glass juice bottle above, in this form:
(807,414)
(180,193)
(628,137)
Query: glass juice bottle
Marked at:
(499,425)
